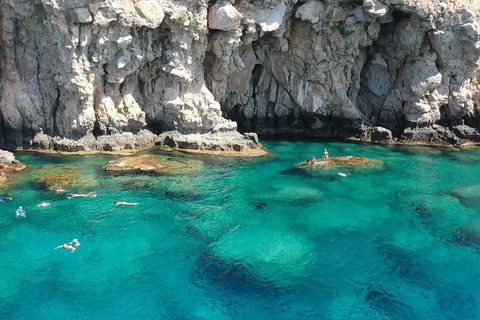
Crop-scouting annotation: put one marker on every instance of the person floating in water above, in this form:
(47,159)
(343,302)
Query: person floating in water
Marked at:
(44,204)
(2,199)
(20,212)
(123,203)
(77,195)
(72,245)
(325,154)
(60,189)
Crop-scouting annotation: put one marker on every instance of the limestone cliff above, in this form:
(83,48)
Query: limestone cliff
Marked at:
(74,74)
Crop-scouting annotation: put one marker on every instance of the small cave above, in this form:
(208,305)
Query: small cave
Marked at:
(377,80)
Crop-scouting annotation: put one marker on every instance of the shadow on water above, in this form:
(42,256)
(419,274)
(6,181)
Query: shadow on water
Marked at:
(468,236)
(453,303)
(296,172)
(184,195)
(388,304)
(231,278)
(403,263)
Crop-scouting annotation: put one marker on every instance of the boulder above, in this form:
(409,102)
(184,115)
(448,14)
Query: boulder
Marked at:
(217,142)
(9,164)
(81,15)
(224,16)
(381,134)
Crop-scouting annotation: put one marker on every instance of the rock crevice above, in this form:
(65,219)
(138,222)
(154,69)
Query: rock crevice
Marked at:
(77,74)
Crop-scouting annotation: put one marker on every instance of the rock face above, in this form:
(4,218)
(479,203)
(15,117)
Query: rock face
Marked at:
(8,163)
(85,74)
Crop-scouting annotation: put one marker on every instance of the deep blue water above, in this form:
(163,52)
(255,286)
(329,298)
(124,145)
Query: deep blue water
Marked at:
(248,239)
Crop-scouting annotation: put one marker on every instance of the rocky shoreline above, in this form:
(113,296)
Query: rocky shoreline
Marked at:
(9,164)
(95,76)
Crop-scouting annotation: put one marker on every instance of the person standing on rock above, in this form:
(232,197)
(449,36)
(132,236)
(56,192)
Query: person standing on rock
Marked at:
(325,154)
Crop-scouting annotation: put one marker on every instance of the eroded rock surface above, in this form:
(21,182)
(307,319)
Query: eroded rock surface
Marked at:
(8,164)
(83,75)
(153,164)
(347,162)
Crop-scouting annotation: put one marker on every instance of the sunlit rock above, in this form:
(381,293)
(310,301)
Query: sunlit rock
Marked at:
(153,164)
(9,164)
(135,164)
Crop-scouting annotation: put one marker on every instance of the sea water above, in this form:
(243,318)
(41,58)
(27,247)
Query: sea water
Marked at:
(248,238)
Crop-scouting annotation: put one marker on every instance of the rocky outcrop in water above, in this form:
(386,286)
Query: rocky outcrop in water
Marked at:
(8,164)
(90,74)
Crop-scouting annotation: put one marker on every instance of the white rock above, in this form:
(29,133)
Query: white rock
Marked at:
(82,15)
(310,11)
(224,16)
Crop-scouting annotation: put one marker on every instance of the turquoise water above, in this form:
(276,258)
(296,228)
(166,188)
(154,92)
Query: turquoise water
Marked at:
(249,239)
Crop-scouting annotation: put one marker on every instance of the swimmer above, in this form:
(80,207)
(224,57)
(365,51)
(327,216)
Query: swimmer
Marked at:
(44,204)
(77,195)
(60,189)
(342,174)
(71,245)
(2,199)
(118,203)
(20,212)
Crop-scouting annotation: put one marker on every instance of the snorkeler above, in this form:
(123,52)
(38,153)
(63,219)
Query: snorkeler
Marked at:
(2,199)
(77,195)
(20,212)
(71,245)
(118,203)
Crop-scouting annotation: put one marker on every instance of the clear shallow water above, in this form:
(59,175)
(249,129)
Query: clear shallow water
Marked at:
(250,239)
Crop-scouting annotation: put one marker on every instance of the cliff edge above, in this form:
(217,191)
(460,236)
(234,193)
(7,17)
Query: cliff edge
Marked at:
(112,74)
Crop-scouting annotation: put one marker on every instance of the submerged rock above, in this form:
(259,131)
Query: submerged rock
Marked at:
(152,164)
(468,235)
(279,257)
(469,193)
(299,195)
(348,162)
(53,176)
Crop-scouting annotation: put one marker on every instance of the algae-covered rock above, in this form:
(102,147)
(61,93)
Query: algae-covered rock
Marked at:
(152,164)
(348,163)
(136,164)
(60,175)
(279,257)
